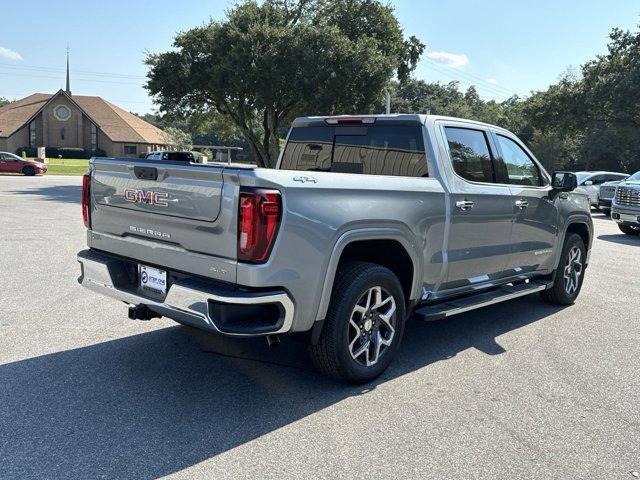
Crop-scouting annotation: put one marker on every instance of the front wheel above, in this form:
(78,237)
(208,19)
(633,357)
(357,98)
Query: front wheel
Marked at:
(29,171)
(364,324)
(629,229)
(570,273)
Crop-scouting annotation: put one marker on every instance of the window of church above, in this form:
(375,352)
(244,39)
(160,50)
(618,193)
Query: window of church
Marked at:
(94,137)
(32,133)
(62,112)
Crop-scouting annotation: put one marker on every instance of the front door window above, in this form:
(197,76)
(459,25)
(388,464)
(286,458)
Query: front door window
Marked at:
(521,170)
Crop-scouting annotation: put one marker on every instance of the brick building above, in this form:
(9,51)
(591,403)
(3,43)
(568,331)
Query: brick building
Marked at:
(75,121)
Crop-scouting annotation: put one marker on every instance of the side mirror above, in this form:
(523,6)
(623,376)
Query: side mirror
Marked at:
(564,181)
(588,183)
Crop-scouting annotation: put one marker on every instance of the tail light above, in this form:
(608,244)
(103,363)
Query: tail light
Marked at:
(86,182)
(258,222)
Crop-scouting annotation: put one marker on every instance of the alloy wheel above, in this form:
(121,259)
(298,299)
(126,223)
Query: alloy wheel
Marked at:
(573,270)
(372,326)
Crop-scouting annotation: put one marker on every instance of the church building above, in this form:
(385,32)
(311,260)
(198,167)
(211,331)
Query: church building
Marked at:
(76,121)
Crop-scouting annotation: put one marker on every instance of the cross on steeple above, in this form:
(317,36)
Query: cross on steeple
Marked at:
(68,89)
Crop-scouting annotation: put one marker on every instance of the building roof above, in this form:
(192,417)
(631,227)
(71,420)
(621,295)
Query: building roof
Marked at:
(116,123)
(15,114)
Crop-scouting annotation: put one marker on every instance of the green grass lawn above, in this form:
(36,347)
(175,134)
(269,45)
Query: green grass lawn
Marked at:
(67,166)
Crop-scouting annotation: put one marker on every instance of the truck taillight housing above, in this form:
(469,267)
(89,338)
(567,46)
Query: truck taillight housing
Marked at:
(86,182)
(258,221)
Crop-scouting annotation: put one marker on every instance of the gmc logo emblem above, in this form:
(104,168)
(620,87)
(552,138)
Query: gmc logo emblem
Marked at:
(134,195)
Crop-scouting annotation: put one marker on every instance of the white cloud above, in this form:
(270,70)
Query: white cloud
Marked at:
(10,54)
(453,60)
(492,80)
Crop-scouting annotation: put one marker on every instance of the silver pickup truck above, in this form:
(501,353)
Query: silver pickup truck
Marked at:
(365,222)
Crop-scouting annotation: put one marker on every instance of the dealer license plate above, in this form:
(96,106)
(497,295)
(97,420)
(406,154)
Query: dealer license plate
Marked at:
(153,279)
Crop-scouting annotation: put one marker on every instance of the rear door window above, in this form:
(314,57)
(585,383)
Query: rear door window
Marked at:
(371,150)
(614,177)
(470,154)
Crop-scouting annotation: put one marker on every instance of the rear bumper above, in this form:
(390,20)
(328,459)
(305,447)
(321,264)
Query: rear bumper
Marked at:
(195,301)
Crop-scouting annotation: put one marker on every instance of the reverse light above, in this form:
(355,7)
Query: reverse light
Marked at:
(258,220)
(86,182)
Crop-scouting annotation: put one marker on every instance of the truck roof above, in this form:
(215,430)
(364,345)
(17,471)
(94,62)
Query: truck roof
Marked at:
(398,118)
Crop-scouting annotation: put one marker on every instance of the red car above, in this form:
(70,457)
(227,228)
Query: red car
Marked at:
(10,163)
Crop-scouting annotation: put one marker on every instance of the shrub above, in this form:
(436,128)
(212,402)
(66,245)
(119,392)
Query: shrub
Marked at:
(62,152)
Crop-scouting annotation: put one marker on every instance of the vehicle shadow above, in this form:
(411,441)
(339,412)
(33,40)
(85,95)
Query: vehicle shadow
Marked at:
(152,404)
(57,193)
(621,238)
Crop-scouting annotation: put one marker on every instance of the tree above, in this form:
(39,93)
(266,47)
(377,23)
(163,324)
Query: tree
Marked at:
(177,138)
(4,101)
(267,61)
(593,117)
(418,96)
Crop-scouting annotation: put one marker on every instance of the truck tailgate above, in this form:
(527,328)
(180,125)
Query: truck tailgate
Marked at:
(166,212)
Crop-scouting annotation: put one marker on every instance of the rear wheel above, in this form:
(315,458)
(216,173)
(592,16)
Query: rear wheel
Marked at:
(630,229)
(570,273)
(29,171)
(364,324)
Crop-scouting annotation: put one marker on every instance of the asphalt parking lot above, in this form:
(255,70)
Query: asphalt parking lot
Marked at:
(516,390)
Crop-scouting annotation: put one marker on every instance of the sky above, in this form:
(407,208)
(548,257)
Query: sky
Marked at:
(503,47)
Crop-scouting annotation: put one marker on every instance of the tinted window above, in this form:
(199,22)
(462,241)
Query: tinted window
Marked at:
(615,177)
(598,179)
(521,169)
(308,148)
(470,154)
(371,150)
(178,156)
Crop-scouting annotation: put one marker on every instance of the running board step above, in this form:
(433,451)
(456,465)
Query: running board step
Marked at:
(446,309)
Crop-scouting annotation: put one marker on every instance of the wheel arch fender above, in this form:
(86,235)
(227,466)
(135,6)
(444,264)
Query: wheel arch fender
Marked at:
(404,238)
(582,222)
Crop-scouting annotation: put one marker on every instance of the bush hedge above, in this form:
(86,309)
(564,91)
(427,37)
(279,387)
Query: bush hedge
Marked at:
(62,152)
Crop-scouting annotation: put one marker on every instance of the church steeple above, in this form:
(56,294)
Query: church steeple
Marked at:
(68,88)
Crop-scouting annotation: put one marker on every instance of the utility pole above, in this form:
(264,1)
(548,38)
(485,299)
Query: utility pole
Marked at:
(388,101)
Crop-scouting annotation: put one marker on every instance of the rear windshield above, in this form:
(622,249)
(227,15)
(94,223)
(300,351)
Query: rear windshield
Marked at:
(370,150)
(178,156)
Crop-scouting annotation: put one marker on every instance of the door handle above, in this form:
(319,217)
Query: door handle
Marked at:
(464,205)
(522,204)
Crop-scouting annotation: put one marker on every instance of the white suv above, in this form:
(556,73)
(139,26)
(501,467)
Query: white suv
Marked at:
(589,183)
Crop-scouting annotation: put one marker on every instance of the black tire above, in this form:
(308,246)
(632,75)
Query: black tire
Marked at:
(559,293)
(606,211)
(29,171)
(629,229)
(332,354)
